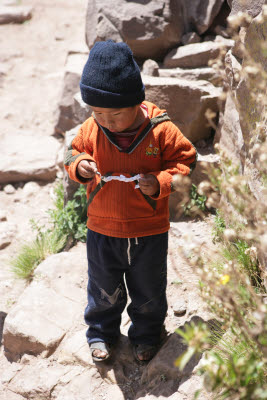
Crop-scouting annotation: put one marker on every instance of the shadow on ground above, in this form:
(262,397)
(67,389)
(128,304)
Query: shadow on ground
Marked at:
(159,377)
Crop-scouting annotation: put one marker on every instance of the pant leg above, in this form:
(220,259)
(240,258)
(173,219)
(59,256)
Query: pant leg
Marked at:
(146,281)
(106,289)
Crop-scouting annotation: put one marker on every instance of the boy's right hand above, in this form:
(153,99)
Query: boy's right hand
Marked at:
(87,169)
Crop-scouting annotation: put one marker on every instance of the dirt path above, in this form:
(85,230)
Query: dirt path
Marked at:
(34,53)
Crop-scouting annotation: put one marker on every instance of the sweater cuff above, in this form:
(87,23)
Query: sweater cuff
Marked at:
(165,180)
(74,169)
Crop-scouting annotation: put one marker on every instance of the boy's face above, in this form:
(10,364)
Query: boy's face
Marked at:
(116,119)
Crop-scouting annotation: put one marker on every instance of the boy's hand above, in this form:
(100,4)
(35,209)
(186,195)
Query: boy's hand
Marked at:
(87,169)
(149,184)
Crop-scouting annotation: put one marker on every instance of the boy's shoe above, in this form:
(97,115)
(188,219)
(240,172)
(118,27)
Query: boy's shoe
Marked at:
(144,352)
(101,347)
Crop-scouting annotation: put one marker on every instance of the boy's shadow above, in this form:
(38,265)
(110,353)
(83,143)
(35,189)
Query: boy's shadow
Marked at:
(159,377)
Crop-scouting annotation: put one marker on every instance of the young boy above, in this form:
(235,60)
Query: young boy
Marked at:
(127,142)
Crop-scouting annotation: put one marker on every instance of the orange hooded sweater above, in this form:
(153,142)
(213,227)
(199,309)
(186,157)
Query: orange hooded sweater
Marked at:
(116,208)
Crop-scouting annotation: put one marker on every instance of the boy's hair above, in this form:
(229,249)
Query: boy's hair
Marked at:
(111,78)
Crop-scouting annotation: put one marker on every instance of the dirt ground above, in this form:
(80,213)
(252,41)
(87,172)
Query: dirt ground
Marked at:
(34,54)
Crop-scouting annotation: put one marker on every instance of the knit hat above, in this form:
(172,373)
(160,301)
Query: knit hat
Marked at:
(111,78)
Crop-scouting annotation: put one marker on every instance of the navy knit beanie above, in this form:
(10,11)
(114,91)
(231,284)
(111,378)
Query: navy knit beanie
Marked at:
(111,77)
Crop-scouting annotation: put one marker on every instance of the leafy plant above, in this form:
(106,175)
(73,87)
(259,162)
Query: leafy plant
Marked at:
(196,202)
(71,219)
(218,227)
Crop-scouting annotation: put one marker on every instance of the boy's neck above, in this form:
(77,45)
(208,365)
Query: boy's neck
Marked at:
(141,116)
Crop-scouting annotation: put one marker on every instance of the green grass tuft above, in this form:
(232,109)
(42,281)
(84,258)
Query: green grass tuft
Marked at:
(33,253)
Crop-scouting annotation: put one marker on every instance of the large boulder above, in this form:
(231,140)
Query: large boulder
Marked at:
(27,157)
(149,27)
(252,7)
(200,14)
(14,14)
(175,95)
(229,134)
(66,118)
(195,55)
(195,74)
(48,307)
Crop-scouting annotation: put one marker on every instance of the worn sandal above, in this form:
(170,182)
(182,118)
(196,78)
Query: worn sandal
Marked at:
(144,349)
(102,346)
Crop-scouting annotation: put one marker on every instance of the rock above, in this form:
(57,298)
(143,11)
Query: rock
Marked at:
(221,31)
(179,307)
(38,379)
(9,189)
(195,55)
(190,38)
(73,70)
(9,395)
(232,69)
(35,157)
(219,24)
(189,387)
(81,110)
(14,14)
(7,234)
(255,37)
(74,349)
(150,30)
(151,68)
(9,370)
(196,74)
(88,386)
(70,186)
(200,15)
(239,46)
(174,95)
(163,364)
(3,216)
(48,307)
(252,7)
(31,188)
(229,135)
(9,2)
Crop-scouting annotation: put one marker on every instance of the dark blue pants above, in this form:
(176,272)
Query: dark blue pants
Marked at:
(140,263)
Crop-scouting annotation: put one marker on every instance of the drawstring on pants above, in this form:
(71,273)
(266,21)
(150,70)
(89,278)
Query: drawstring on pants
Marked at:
(129,249)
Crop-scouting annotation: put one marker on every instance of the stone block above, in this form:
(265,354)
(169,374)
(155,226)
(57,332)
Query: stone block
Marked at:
(200,14)
(48,307)
(252,7)
(196,55)
(72,75)
(36,157)
(150,28)
(186,103)
(195,74)
(14,14)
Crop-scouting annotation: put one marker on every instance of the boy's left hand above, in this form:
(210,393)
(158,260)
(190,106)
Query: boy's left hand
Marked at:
(149,184)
